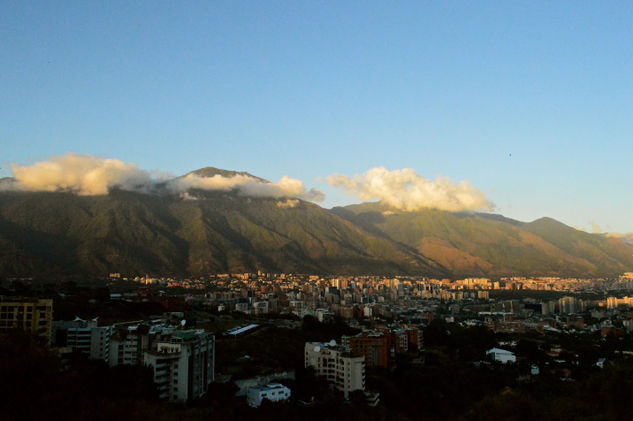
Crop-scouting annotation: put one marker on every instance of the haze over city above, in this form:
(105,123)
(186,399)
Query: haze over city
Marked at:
(524,106)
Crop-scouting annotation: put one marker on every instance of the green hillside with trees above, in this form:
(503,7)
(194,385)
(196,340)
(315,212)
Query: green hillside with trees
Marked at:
(158,232)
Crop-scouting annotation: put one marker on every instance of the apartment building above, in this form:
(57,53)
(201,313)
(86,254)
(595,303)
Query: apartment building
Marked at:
(260,307)
(414,337)
(377,347)
(84,336)
(183,364)
(30,314)
(130,340)
(342,369)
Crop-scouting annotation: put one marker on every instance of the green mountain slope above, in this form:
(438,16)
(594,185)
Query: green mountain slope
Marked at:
(63,234)
(483,244)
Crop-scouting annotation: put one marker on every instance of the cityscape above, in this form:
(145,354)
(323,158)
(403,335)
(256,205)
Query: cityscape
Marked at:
(316,210)
(341,335)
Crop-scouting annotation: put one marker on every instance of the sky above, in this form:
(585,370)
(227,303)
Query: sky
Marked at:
(531,103)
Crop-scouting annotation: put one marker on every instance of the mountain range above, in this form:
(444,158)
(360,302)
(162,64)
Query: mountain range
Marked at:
(62,234)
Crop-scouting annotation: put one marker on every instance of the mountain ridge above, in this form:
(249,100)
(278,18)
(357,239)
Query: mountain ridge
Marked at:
(53,234)
(213,171)
(473,244)
(132,232)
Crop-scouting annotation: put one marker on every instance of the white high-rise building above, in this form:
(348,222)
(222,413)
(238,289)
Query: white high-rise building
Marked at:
(340,368)
(84,336)
(183,365)
(127,344)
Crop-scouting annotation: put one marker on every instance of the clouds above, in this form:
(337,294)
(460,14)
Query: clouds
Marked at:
(89,175)
(82,174)
(247,186)
(595,228)
(405,190)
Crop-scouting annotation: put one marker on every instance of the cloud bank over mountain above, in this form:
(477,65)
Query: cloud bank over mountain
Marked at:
(82,174)
(405,190)
(247,186)
(89,176)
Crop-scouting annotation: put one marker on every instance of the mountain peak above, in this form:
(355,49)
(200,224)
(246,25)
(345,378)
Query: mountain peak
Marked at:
(546,221)
(212,171)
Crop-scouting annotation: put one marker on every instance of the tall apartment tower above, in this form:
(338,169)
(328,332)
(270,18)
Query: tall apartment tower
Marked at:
(183,365)
(343,370)
(130,340)
(84,336)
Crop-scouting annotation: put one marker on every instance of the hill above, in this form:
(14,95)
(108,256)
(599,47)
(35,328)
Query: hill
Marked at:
(473,244)
(212,171)
(60,234)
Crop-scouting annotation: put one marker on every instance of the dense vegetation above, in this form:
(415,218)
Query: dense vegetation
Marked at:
(57,234)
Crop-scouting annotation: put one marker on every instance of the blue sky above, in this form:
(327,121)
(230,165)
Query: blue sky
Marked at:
(531,102)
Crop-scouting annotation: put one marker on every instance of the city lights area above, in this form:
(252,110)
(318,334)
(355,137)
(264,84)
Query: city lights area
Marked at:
(309,345)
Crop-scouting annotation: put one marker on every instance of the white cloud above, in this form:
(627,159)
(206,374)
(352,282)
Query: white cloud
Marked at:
(90,175)
(595,228)
(247,186)
(406,190)
(82,174)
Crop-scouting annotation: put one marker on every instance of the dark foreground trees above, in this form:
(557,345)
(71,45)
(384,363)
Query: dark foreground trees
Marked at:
(36,384)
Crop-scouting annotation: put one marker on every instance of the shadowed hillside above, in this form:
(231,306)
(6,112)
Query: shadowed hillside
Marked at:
(60,234)
(482,244)
(52,234)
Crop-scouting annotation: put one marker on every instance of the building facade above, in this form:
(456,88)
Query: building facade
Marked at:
(130,340)
(183,364)
(84,336)
(377,347)
(30,314)
(274,392)
(501,355)
(342,369)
